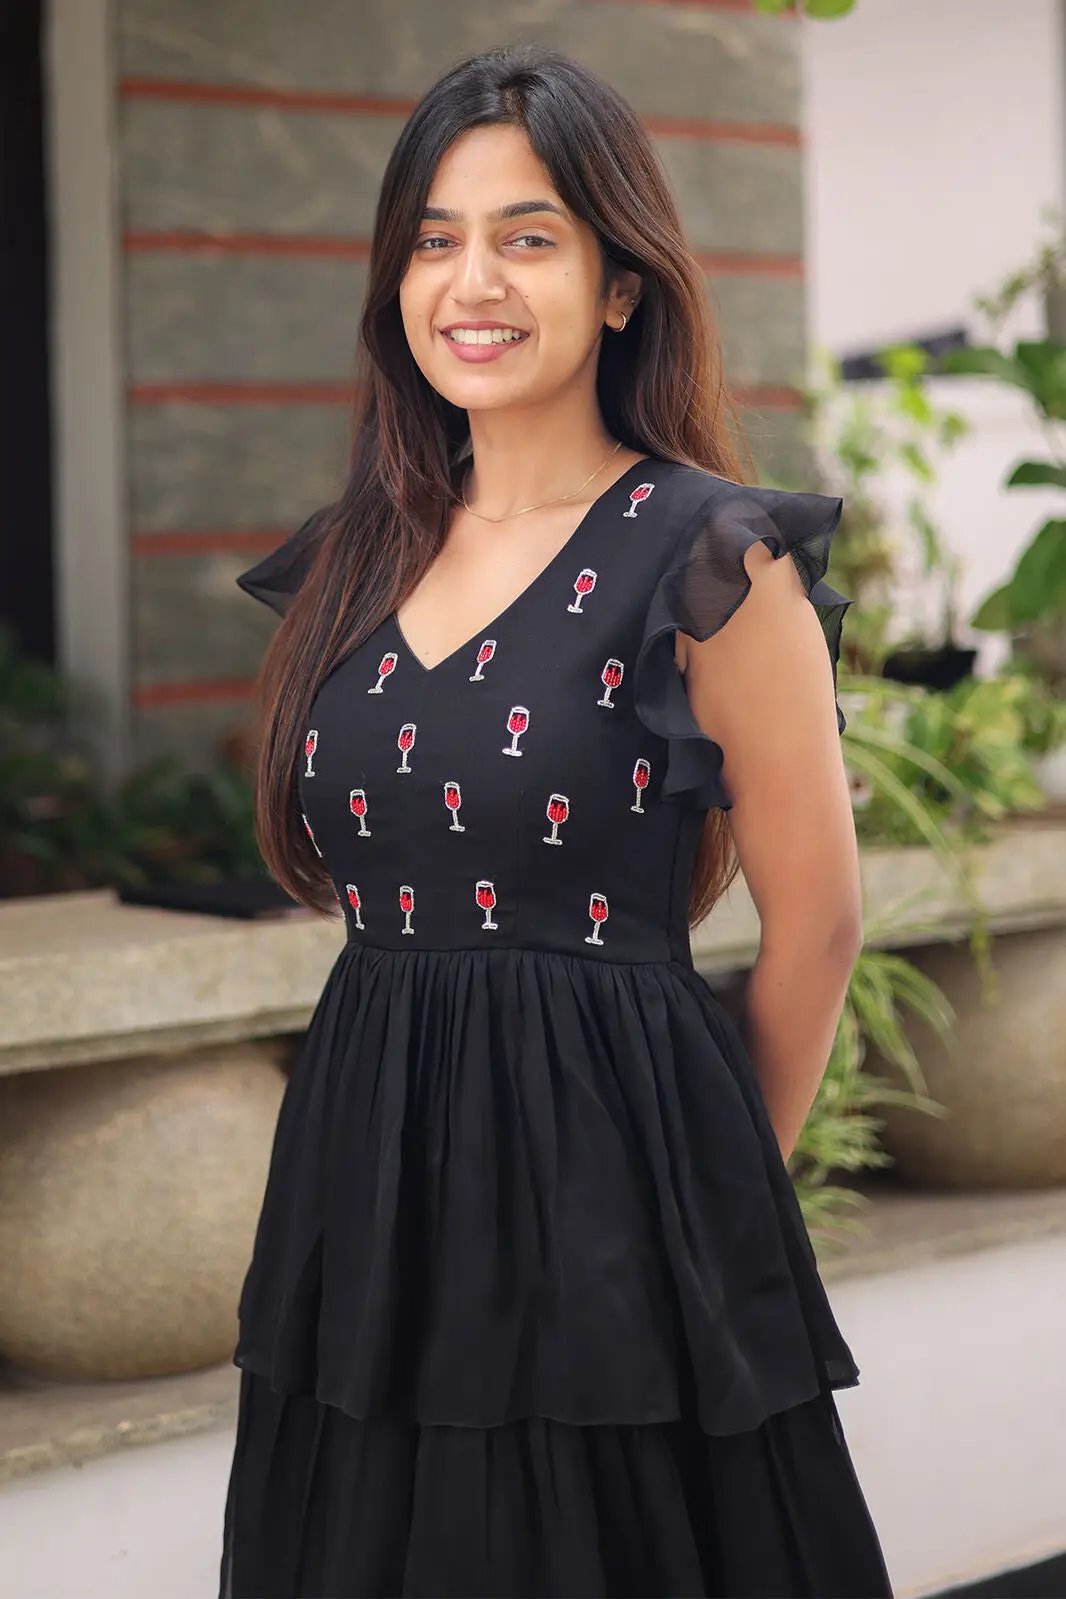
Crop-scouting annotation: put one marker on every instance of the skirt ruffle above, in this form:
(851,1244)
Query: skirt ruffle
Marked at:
(583,1214)
(323,1504)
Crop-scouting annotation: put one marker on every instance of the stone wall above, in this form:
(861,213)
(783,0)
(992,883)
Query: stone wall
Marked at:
(251,139)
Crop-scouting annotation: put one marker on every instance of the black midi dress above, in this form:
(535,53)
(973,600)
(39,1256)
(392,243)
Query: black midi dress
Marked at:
(532,1309)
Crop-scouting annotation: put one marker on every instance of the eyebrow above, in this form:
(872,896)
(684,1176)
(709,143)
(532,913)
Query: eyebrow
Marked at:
(517,208)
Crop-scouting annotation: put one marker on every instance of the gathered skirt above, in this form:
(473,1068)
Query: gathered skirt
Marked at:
(532,1308)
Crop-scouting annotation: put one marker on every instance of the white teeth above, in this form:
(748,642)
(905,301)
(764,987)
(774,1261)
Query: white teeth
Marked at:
(484,335)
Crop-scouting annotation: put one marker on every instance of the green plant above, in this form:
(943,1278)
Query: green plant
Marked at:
(962,757)
(1031,604)
(825,10)
(1036,589)
(63,828)
(841,1131)
(864,434)
(1046,270)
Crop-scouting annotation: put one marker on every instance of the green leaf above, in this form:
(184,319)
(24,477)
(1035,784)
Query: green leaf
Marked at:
(994,614)
(912,752)
(985,361)
(904,362)
(1039,581)
(1031,473)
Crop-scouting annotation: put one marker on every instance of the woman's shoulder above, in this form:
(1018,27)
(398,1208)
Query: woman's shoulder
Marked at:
(684,492)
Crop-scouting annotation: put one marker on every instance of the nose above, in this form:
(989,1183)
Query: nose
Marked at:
(477,274)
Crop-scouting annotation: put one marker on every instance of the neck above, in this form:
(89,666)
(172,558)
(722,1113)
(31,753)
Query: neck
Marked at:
(515,464)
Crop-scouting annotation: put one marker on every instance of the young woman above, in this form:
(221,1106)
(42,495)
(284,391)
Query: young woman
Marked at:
(532,1309)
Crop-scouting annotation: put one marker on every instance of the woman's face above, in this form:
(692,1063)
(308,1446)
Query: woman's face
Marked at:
(538,274)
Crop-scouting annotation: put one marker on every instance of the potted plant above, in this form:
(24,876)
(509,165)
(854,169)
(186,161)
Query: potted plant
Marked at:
(864,436)
(1030,605)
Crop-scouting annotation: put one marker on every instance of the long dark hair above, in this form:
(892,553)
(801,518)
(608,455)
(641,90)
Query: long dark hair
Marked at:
(660,388)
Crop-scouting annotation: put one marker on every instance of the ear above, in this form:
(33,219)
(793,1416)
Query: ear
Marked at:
(624,292)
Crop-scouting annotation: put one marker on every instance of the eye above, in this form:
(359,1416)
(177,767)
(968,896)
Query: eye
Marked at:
(437,238)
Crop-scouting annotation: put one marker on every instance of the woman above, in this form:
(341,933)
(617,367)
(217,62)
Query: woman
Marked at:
(532,1309)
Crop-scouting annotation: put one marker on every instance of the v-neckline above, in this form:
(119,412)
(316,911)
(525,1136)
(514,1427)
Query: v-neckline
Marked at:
(549,566)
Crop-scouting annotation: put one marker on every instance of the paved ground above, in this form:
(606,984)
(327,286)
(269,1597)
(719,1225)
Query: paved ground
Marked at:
(958,1426)
(958,1431)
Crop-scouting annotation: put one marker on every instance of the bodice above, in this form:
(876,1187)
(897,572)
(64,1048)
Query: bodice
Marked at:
(511,794)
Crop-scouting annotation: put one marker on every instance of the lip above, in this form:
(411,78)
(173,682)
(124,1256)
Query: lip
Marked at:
(476,326)
(478,354)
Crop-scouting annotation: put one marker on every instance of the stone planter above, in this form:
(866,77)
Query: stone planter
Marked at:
(1004,1082)
(129,1192)
(1050,773)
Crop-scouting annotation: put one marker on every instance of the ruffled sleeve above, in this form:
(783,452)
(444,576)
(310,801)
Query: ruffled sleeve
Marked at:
(703,583)
(276,578)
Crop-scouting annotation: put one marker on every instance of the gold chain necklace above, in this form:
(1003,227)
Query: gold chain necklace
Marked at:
(561,500)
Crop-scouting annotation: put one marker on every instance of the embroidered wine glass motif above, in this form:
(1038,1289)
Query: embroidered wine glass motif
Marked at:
(641,492)
(484,655)
(357,806)
(611,676)
(558,809)
(598,912)
(453,800)
(641,774)
(485,894)
(407,905)
(354,901)
(385,666)
(311,835)
(584,584)
(404,741)
(310,746)
(517,722)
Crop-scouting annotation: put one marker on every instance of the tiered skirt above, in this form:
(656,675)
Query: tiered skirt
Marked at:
(532,1309)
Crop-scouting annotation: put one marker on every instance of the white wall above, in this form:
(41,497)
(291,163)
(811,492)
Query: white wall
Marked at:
(934,139)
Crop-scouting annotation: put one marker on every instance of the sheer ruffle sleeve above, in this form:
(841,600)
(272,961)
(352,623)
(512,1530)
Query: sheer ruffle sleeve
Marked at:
(703,583)
(276,578)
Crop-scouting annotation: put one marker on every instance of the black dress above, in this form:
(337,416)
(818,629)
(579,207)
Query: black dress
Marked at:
(532,1309)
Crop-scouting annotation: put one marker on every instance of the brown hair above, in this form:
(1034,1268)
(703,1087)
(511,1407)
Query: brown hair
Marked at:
(660,388)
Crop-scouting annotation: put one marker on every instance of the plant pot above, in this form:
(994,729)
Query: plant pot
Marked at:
(938,666)
(1002,1081)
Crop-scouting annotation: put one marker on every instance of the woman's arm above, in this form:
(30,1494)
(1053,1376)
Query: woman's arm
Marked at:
(762,688)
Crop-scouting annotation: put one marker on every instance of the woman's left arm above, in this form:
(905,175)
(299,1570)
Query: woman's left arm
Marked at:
(762,688)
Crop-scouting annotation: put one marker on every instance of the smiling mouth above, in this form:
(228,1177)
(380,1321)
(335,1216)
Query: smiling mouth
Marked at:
(483,336)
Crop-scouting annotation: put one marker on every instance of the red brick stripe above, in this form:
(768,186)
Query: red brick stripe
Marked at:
(708,5)
(263,96)
(141,242)
(208,541)
(342,394)
(240,394)
(149,695)
(665,127)
(185,241)
(324,101)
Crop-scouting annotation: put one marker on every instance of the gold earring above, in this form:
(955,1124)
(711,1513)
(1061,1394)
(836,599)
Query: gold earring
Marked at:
(622,329)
